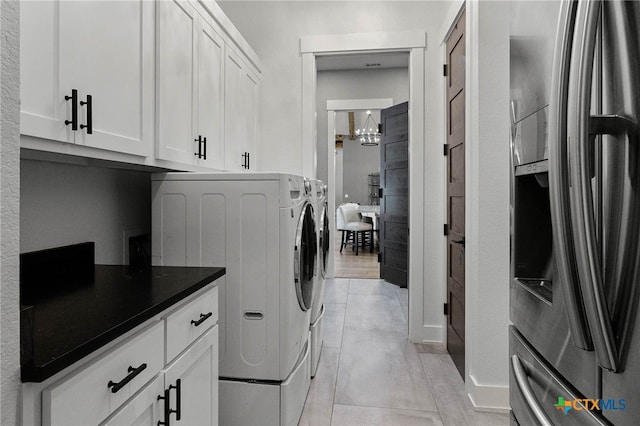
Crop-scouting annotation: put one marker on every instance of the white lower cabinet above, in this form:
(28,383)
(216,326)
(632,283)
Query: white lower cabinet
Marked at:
(139,382)
(91,394)
(194,374)
(143,409)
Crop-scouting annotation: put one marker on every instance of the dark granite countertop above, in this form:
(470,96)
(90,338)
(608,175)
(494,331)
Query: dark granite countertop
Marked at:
(61,327)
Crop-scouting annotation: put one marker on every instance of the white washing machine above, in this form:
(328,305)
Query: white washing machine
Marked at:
(261,227)
(321,207)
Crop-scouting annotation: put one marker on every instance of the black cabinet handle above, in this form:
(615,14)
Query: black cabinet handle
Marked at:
(199,140)
(245,162)
(248,164)
(167,408)
(74,109)
(133,372)
(178,409)
(204,141)
(203,318)
(89,125)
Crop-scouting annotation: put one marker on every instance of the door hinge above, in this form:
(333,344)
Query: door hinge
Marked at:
(446,229)
(379,257)
(445,151)
(445,70)
(446,309)
(379,192)
(380,128)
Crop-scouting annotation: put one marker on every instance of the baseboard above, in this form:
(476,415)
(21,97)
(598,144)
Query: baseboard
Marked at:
(489,398)
(427,334)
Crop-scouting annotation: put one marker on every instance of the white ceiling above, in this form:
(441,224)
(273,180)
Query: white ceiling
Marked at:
(363,61)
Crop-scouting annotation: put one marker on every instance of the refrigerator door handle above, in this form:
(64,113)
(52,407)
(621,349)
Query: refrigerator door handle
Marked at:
(559,181)
(527,392)
(585,239)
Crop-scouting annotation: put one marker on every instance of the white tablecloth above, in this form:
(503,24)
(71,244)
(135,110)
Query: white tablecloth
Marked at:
(373,212)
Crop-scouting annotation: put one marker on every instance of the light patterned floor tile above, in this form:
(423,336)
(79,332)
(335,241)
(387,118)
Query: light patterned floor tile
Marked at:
(333,324)
(336,290)
(372,287)
(345,415)
(453,403)
(375,312)
(319,404)
(381,369)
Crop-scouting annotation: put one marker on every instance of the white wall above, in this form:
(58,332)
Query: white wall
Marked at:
(63,204)
(9,212)
(355,84)
(487,203)
(274,29)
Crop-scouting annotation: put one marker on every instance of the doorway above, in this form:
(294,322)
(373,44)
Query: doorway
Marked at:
(357,180)
(351,170)
(414,43)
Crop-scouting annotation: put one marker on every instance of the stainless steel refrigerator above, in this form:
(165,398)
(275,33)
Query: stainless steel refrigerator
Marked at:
(575,212)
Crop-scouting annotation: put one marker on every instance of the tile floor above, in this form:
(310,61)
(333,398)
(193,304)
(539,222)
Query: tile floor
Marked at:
(369,373)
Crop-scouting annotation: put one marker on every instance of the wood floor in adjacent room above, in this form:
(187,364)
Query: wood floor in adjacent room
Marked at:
(348,265)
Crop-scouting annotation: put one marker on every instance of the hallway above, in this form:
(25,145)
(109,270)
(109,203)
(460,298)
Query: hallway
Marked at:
(369,373)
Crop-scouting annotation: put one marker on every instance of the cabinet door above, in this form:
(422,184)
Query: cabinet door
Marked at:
(197,370)
(177,53)
(106,383)
(210,101)
(234,139)
(43,109)
(142,409)
(241,112)
(106,50)
(250,97)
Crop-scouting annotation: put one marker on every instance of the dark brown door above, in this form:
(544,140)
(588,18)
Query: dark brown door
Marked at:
(455,193)
(394,202)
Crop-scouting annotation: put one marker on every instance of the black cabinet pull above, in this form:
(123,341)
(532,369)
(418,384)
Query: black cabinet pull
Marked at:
(203,318)
(199,153)
(245,161)
(89,125)
(204,141)
(74,109)
(133,372)
(248,164)
(178,409)
(167,408)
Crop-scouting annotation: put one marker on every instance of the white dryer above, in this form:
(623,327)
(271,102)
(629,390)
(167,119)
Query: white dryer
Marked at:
(261,227)
(321,207)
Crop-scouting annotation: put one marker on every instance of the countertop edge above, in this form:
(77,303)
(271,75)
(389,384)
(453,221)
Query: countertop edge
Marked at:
(30,373)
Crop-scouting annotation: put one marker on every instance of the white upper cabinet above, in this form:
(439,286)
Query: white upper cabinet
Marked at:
(210,95)
(94,57)
(168,83)
(177,38)
(190,99)
(241,113)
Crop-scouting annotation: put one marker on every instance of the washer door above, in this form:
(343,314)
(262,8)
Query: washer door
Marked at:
(324,240)
(305,257)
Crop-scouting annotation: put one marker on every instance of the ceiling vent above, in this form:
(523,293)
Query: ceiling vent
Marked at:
(373,65)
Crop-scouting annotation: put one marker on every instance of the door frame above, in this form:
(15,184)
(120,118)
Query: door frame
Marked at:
(413,42)
(333,107)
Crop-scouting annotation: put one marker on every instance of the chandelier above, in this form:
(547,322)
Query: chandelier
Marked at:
(369,135)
